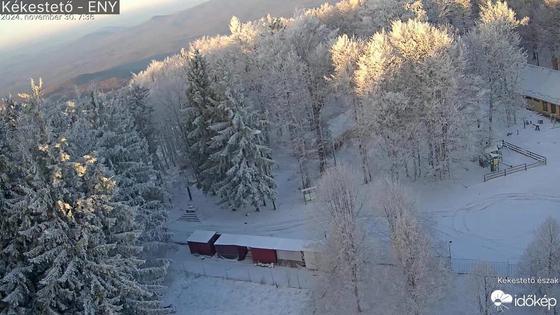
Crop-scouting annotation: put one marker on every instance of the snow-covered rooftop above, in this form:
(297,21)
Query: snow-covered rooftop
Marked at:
(540,83)
(253,241)
(201,236)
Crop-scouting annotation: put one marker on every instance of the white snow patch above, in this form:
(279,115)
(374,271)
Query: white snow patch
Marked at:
(254,241)
(201,236)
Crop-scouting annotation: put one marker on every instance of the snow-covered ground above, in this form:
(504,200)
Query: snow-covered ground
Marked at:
(289,220)
(213,296)
(495,220)
(487,221)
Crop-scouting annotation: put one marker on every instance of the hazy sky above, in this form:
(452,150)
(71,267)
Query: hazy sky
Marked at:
(16,33)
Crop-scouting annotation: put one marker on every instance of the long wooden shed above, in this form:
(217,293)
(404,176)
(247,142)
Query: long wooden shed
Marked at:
(264,249)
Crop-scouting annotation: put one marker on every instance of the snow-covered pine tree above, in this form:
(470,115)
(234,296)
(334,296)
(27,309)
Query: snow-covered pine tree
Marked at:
(199,112)
(92,129)
(27,207)
(125,153)
(17,183)
(136,98)
(60,232)
(70,242)
(247,179)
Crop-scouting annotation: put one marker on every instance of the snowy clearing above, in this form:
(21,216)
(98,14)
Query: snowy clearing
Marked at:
(495,220)
(478,217)
(486,221)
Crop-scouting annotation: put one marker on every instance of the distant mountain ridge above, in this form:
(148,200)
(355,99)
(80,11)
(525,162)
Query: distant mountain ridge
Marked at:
(113,53)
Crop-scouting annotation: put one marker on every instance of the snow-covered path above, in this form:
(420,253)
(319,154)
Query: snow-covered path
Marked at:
(496,228)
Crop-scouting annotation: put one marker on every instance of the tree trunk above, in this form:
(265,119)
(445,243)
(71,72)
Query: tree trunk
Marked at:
(490,118)
(362,147)
(365,161)
(486,297)
(320,142)
(356,289)
(418,160)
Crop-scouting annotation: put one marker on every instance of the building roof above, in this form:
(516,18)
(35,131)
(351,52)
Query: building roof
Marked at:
(540,83)
(266,242)
(199,236)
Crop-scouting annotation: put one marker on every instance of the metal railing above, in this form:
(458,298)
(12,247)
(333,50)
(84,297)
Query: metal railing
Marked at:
(473,266)
(297,278)
(525,152)
(540,160)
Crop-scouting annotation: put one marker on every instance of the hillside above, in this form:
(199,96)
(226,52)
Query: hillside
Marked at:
(118,52)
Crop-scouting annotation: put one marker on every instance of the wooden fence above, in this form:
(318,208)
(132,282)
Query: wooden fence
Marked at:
(539,160)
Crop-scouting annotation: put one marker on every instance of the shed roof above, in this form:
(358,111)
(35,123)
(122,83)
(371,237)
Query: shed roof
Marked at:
(266,242)
(200,236)
(540,83)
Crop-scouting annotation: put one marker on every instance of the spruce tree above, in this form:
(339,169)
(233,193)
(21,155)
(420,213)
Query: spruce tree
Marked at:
(200,115)
(16,196)
(63,256)
(125,152)
(247,180)
(136,98)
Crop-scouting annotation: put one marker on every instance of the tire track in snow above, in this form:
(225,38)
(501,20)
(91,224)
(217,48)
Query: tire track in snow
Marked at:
(458,217)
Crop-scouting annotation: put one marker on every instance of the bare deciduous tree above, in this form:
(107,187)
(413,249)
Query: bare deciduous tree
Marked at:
(422,273)
(483,281)
(542,257)
(496,56)
(342,262)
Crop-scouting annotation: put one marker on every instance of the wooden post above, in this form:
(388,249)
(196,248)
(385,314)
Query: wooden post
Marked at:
(189,192)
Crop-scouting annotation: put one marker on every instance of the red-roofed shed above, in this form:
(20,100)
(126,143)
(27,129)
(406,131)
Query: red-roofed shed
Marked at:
(202,242)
